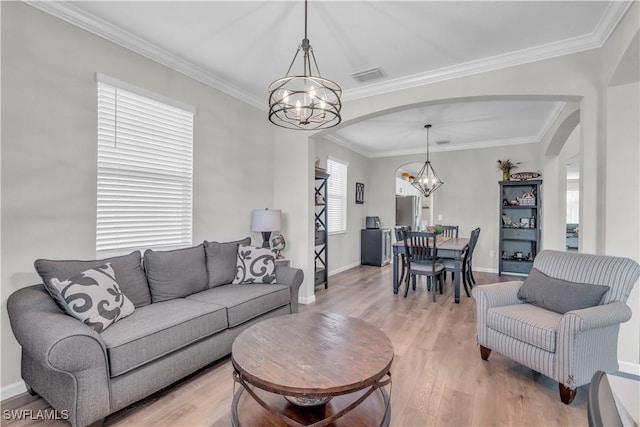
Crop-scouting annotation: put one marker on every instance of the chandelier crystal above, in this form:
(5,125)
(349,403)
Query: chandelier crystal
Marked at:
(307,101)
(427,180)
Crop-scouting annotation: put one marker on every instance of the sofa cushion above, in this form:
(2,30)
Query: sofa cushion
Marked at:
(244,302)
(526,322)
(175,274)
(221,260)
(93,297)
(127,268)
(159,329)
(255,265)
(559,295)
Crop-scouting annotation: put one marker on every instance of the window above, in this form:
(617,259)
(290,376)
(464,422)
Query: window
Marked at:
(337,196)
(145,169)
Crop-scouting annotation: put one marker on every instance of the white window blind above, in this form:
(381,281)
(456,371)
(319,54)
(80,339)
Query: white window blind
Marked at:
(337,196)
(145,172)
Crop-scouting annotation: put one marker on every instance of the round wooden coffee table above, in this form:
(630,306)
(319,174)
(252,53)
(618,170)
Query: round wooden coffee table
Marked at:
(311,369)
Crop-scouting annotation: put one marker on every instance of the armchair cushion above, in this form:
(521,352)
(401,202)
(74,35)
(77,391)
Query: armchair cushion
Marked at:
(526,322)
(559,295)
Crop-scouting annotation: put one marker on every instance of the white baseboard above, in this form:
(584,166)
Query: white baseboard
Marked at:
(307,300)
(486,270)
(630,368)
(12,390)
(345,268)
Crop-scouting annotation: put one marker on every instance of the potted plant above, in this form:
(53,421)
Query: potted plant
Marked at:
(505,166)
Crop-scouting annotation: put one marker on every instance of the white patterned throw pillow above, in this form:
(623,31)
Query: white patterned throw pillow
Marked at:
(92,297)
(255,265)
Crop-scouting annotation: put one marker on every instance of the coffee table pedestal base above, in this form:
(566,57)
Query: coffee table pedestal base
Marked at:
(375,410)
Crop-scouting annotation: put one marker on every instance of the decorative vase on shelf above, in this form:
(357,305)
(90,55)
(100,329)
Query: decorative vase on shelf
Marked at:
(506,175)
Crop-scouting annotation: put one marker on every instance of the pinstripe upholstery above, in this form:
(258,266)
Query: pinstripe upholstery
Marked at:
(526,322)
(569,348)
(487,296)
(526,354)
(620,274)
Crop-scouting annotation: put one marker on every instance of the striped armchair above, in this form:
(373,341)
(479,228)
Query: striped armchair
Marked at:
(570,347)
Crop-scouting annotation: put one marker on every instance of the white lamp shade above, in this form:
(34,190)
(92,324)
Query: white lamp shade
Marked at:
(266,220)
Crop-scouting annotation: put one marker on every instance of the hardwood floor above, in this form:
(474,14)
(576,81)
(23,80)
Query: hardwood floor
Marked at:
(438,376)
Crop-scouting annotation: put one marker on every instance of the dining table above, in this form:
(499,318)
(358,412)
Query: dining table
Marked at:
(452,248)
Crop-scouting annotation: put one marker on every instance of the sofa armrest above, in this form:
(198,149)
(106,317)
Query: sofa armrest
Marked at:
(49,335)
(488,296)
(292,277)
(64,360)
(587,341)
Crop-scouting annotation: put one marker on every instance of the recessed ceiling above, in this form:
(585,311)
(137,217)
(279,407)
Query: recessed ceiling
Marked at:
(242,46)
(465,125)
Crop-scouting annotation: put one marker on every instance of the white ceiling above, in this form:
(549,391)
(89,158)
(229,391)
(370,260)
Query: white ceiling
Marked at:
(242,46)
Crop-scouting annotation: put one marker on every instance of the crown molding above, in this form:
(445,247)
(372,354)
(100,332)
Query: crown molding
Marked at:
(455,147)
(551,119)
(608,22)
(346,144)
(72,14)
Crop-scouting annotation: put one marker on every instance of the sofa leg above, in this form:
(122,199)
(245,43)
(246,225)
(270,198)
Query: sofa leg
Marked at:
(31,391)
(566,394)
(484,352)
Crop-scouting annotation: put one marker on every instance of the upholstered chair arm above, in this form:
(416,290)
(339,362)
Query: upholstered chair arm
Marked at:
(599,316)
(588,341)
(292,277)
(63,359)
(495,295)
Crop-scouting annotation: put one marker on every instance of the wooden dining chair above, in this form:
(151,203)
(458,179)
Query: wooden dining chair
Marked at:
(450,232)
(467,256)
(400,236)
(420,250)
(467,267)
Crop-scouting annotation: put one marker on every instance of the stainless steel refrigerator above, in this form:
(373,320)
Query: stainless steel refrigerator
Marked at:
(409,212)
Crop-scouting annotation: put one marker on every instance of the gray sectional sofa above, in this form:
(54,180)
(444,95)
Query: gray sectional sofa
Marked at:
(186,316)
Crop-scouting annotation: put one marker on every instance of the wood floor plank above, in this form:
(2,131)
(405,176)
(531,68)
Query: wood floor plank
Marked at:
(438,376)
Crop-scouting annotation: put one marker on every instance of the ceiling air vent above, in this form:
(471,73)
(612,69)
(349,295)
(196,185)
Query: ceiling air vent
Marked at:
(368,75)
(444,141)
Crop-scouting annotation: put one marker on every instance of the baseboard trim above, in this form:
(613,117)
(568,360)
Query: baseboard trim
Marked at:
(486,270)
(345,268)
(306,300)
(12,390)
(630,368)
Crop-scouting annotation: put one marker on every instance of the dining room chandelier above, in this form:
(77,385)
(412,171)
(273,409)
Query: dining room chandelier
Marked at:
(427,180)
(307,101)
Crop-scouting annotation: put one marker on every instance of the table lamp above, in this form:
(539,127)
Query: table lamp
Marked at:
(265,221)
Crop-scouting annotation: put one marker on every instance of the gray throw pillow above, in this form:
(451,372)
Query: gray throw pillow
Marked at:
(255,265)
(175,274)
(128,270)
(221,260)
(559,295)
(93,297)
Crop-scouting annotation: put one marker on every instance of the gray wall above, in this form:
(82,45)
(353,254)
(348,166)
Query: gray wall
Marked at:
(344,248)
(49,149)
(470,194)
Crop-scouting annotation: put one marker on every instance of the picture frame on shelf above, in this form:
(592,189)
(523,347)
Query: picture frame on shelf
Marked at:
(506,220)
